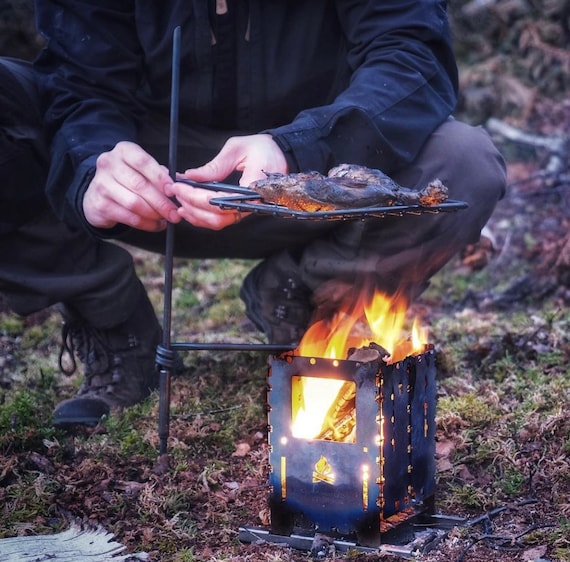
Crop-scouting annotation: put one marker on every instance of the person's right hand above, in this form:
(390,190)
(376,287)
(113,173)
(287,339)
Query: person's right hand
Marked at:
(129,188)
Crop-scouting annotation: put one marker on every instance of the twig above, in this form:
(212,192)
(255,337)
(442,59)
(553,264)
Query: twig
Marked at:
(505,539)
(499,541)
(186,417)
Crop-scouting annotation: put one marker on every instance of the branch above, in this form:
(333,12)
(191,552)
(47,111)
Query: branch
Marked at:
(558,146)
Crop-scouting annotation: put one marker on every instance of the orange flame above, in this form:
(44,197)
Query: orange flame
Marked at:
(380,319)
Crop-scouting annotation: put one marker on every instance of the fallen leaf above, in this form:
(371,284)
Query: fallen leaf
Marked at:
(242,449)
(534,553)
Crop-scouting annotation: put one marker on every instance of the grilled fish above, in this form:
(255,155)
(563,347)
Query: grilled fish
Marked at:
(345,187)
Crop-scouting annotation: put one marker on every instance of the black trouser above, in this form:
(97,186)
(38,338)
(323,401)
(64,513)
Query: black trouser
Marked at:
(42,261)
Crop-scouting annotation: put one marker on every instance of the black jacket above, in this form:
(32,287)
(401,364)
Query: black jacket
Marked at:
(360,81)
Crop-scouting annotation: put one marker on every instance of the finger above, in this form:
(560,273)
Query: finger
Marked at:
(142,199)
(141,161)
(106,208)
(135,220)
(215,170)
(193,199)
(197,196)
(197,209)
(140,168)
(135,192)
(204,219)
(222,165)
(135,211)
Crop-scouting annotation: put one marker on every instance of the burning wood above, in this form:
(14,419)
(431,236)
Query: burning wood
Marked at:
(372,352)
(340,420)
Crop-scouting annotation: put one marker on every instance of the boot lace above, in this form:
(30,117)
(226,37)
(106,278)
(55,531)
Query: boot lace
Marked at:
(90,347)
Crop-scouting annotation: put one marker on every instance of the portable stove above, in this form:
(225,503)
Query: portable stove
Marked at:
(370,463)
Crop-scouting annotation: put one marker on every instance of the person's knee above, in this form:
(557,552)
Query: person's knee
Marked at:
(475,167)
(465,159)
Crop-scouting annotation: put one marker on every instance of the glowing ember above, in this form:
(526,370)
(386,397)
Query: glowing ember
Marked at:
(381,320)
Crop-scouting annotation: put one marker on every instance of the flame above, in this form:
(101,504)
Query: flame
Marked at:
(311,399)
(380,319)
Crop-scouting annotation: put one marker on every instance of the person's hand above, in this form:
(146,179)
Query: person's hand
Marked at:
(252,155)
(129,187)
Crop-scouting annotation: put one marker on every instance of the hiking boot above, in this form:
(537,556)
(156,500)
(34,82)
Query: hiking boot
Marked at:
(276,300)
(119,364)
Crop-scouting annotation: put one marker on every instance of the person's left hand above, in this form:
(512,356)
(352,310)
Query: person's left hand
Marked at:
(252,155)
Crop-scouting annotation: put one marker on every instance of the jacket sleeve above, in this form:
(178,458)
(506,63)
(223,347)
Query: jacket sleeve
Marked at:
(403,86)
(90,68)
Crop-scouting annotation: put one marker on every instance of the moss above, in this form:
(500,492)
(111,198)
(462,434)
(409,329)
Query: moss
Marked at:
(472,408)
(25,420)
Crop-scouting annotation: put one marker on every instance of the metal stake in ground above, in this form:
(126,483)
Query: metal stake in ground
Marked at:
(165,357)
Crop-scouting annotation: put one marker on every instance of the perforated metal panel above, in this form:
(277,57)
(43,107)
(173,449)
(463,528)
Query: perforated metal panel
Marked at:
(365,485)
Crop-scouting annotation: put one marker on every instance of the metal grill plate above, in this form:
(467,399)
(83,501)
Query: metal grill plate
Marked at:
(246,200)
(254,204)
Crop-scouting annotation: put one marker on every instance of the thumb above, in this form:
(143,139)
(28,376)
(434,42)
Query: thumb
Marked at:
(214,170)
(251,174)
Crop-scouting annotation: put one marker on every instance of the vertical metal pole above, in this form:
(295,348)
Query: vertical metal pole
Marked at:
(165,356)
